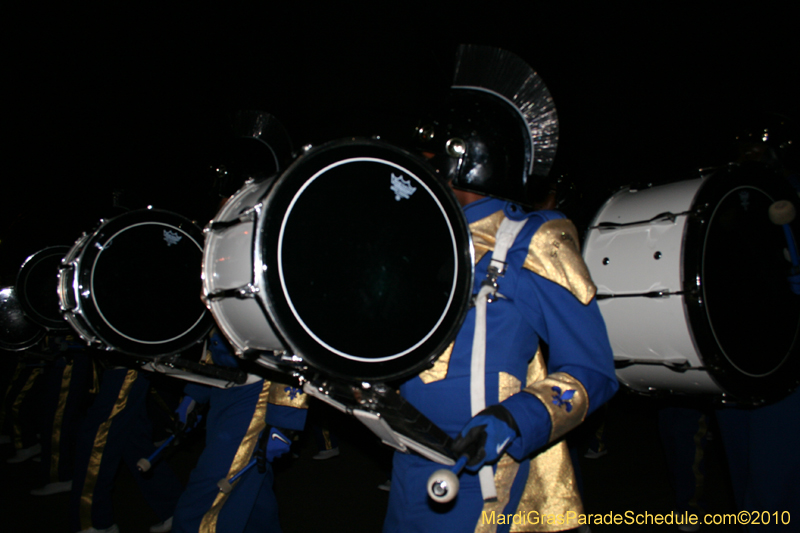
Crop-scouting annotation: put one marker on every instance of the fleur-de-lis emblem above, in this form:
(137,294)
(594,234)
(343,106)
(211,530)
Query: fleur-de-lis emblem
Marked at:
(563,399)
(293,392)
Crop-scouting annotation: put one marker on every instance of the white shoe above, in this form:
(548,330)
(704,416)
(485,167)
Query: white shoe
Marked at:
(53,488)
(162,527)
(25,453)
(386,485)
(112,529)
(326,454)
(595,454)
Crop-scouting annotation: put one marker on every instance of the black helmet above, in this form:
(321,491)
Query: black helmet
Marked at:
(769,138)
(496,132)
(259,148)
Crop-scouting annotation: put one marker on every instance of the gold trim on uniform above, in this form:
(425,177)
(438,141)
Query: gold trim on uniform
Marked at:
(96,457)
(241,459)
(58,421)
(17,371)
(551,488)
(554,254)
(562,419)
(439,369)
(16,428)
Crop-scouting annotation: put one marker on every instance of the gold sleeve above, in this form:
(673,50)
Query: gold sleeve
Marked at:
(565,399)
(287,395)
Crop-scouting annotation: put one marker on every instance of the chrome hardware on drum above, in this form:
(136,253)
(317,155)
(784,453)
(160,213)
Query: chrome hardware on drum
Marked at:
(357,260)
(17,332)
(692,283)
(133,285)
(37,288)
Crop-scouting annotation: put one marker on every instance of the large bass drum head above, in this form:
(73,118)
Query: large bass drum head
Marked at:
(140,283)
(37,288)
(367,261)
(745,319)
(17,333)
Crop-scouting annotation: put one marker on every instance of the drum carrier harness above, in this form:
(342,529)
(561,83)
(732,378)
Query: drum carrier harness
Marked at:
(504,239)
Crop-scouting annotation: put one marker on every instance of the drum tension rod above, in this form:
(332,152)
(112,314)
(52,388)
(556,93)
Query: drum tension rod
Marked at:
(677,365)
(661,217)
(240,293)
(651,294)
(216,225)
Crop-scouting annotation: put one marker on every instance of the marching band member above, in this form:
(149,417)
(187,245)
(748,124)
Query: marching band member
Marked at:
(516,380)
(117,429)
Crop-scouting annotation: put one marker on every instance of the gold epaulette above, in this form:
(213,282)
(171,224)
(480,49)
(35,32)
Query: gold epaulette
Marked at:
(554,254)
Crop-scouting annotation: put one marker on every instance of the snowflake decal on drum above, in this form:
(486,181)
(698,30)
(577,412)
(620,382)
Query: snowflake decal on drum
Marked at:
(401,188)
(172,237)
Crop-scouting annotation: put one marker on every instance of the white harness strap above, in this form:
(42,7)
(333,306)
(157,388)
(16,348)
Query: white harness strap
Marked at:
(505,237)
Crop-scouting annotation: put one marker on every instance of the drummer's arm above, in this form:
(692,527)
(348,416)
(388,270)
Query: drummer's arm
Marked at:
(580,365)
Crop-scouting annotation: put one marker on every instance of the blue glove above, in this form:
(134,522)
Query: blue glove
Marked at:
(794,283)
(184,409)
(278,444)
(220,352)
(484,439)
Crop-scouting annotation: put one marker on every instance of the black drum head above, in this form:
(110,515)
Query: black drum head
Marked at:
(745,319)
(37,288)
(17,333)
(367,261)
(140,283)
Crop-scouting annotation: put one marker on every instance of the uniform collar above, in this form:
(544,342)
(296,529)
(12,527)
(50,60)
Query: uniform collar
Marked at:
(484,207)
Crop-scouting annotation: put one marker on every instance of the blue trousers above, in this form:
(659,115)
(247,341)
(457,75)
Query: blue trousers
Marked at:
(66,384)
(763,449)
(117,430)
(235,420)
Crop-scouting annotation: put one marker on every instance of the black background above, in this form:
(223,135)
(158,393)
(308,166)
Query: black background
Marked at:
(141,99)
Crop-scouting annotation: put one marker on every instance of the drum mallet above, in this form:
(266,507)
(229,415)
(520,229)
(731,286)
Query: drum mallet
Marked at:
(443,484)
(226,485)
(782,213)
(259,460)
(144,464)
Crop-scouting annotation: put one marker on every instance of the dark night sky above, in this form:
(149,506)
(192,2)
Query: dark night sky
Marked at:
(139,99)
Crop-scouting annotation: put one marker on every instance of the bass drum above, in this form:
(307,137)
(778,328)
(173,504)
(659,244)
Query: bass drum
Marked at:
(37,288)
(357,260)
(17,332)
(692,283)
(133,285)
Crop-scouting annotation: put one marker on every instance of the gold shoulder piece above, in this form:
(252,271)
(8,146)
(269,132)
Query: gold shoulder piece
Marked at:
(554,254)
(483,233)
(439,369)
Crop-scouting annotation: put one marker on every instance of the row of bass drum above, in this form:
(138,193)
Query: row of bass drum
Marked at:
(356,263)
